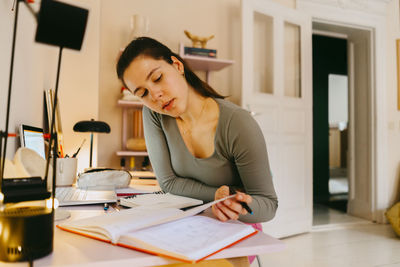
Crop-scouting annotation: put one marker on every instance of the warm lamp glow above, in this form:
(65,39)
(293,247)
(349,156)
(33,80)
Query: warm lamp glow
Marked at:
(49,203)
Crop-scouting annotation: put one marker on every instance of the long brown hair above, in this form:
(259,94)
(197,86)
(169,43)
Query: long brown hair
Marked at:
(149,47)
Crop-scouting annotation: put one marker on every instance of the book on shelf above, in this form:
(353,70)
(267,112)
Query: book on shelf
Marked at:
(141,181)
(138,124)
(168,232)
(203,52)
(143,178)
(49,100)
(159,199)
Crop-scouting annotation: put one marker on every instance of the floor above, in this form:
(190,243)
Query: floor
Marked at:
(338,239)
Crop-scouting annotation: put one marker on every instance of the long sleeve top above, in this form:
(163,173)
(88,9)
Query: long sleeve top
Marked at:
(240,160)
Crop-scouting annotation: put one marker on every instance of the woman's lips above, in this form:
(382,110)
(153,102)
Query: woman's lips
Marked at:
(168,106)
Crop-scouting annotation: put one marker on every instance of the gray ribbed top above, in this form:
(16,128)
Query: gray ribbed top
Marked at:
(240,160)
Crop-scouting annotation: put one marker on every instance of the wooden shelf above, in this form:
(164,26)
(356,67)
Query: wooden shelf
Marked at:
(206,64)
(127,153)
(129,104)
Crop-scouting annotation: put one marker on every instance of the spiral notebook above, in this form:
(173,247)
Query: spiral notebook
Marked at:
(159,199)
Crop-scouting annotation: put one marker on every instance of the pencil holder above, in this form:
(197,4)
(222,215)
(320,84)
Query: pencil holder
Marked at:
(66,171)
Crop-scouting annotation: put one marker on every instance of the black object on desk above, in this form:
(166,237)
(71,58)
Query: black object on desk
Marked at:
(24,189)
(92,126)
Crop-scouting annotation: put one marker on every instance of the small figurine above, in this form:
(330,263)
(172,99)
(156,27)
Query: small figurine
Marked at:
(127,95)
(198,41)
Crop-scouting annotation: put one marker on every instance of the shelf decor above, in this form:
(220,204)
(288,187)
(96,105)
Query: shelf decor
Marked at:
(198,41)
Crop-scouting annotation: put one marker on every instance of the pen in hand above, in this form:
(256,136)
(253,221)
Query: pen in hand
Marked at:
(244,204)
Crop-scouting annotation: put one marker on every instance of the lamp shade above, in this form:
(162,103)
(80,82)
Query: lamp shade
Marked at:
(92,126)
(61,24)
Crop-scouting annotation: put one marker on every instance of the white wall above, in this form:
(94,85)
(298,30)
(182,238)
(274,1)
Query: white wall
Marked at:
(168,20)
(35,71)
(393,33)
(79,86)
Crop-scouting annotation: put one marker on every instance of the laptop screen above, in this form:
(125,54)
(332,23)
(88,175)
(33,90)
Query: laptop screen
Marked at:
(32,137)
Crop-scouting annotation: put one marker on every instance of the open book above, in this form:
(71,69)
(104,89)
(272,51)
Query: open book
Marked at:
(166,232)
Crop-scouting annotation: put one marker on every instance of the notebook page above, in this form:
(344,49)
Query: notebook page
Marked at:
(197,210)
(193,211)
(112,225)
(164,200)
(194,237)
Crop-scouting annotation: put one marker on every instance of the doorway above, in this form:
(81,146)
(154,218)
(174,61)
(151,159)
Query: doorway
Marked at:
(342,119)
(330,119)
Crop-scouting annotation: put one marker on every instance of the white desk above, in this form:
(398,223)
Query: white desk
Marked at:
(72,249)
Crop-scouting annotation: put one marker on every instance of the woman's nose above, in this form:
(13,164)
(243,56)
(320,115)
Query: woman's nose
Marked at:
(156,93)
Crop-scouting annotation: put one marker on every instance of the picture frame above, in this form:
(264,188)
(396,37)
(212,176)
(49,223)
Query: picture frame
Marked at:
(398,72)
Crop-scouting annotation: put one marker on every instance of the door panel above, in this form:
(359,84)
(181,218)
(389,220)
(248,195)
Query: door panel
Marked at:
(359,203)
(263,48)
(276,86)
(293,121)
(292,82)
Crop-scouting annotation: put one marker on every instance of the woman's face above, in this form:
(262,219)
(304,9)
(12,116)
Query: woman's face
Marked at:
(160,85)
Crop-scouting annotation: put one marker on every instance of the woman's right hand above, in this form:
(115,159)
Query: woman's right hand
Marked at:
(229,209)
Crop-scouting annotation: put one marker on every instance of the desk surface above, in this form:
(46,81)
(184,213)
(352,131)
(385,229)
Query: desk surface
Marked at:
(71,249)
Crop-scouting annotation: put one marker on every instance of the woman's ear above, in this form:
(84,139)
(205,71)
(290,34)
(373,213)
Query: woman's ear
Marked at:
(178,65)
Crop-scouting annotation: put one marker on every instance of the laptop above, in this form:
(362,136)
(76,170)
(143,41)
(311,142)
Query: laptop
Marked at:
(70,196)
(32,137)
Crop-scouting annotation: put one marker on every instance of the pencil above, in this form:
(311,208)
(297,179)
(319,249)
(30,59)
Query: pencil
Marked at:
(244,204)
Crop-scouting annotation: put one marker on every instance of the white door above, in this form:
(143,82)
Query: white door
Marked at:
(277,87)
(361,153)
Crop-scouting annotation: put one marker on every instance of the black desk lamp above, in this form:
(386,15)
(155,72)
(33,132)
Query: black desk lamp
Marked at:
(92,126)
(27,232)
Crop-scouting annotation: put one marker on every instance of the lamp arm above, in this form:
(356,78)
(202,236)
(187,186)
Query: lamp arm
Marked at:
(4,134)
(91,150)
(53,138)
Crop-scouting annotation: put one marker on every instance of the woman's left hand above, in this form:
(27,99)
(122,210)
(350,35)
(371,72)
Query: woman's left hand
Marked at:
(229,209)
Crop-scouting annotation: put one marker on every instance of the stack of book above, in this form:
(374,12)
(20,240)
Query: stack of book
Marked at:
(203,52)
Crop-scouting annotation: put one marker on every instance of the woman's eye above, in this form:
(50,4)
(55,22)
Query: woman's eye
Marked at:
(158,79)
(141,92)
(144,93)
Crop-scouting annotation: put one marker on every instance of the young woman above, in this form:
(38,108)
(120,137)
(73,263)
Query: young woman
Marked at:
(199,144)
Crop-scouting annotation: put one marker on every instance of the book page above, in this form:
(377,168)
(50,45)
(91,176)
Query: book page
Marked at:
(193,237)
(195,210)
(112,225)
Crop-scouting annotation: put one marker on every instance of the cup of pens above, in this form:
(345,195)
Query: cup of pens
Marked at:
(66,171)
